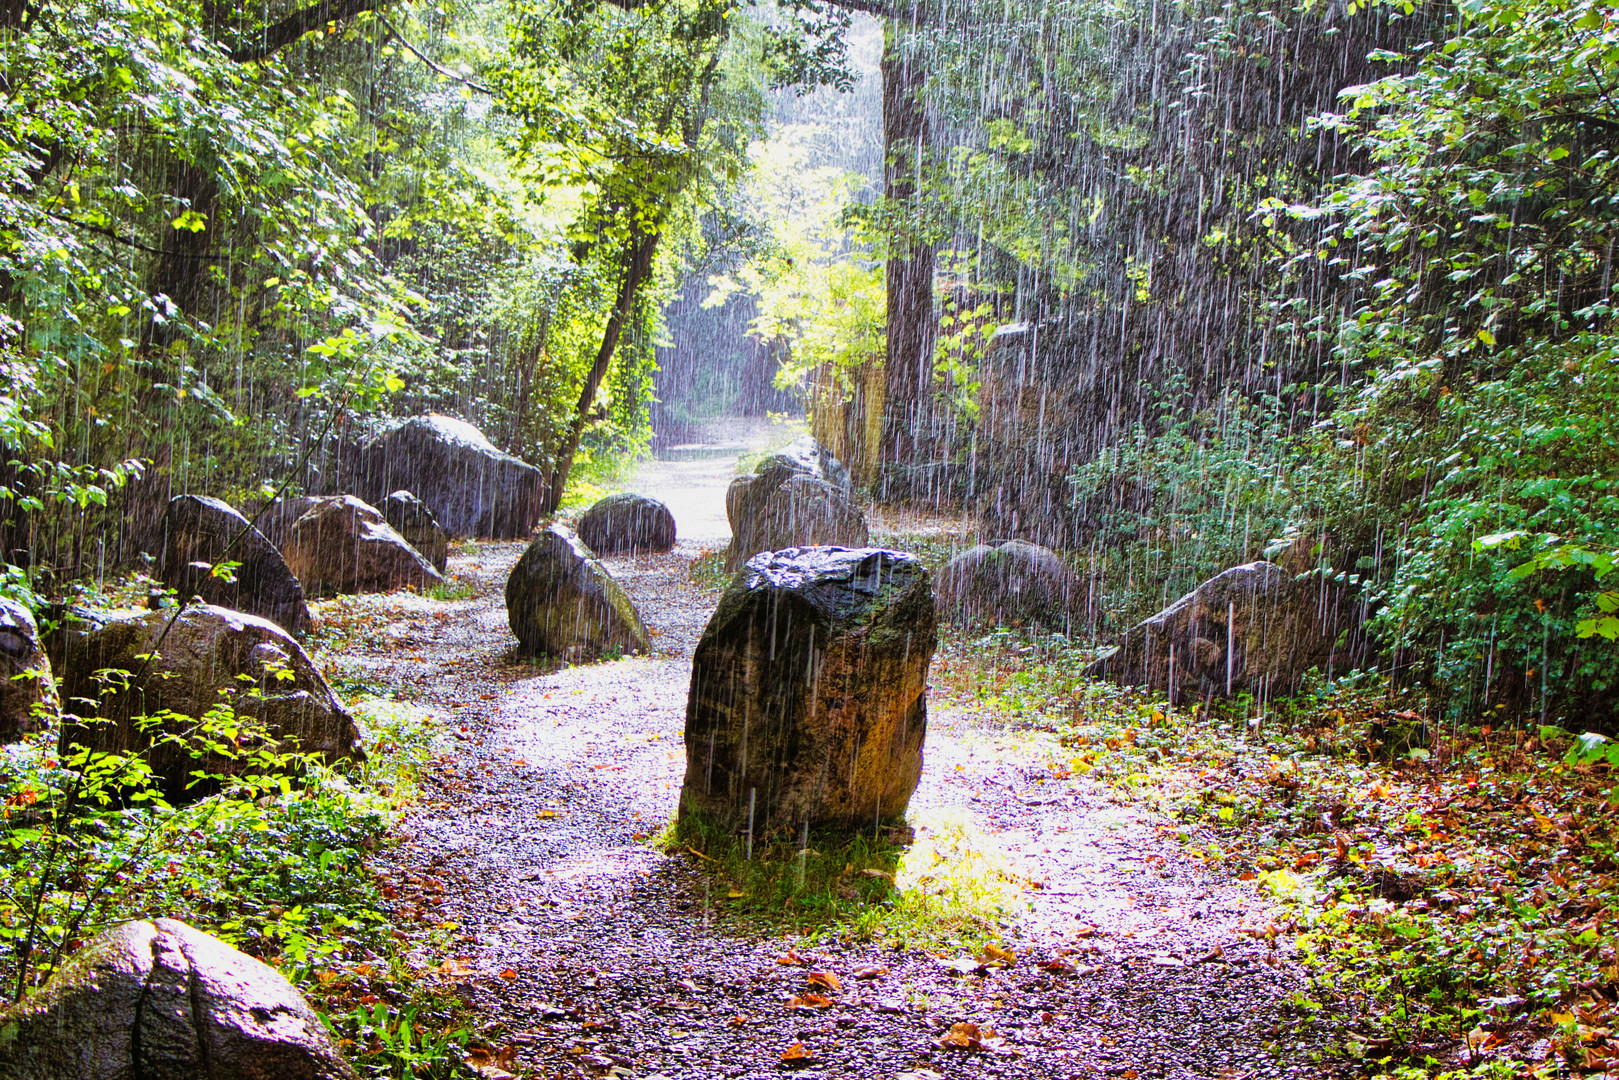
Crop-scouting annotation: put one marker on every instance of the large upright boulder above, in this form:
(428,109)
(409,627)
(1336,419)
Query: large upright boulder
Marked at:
(472,488)
(1254,627)
(208,656)
(1014,584)
(798,497)
(809,692)
(411,518)
(561,601)
(627,525)
(161,1000)
(275,521)
(198,531)
(27,693)
(344,545)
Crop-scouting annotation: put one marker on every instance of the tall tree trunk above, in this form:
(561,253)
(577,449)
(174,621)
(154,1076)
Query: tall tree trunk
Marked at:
(908,364)
(637,268)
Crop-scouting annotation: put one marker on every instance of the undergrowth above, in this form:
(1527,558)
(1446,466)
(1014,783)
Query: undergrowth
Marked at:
(937,884)
(277,865)
(1450,888)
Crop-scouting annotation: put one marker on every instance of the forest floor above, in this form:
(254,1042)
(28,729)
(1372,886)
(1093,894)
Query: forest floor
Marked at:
(530,880)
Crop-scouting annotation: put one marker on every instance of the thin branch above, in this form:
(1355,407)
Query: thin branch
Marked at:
(417,53)
(102,230)
(279,35)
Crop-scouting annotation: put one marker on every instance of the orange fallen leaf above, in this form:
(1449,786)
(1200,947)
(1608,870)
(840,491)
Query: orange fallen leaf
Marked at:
(797,1051)
(997,955)
(824,979)
(508,974)
(810,1001)
(456,965)
(963,1036)
(792,957)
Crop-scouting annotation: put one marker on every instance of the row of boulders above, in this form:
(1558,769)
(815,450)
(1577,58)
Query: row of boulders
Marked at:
(337,544)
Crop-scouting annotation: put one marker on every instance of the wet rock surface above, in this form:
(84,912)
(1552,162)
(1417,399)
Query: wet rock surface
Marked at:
(161,1000)
(410,518)
(472,487)
(533,836)
(27,693)
(276,520)
(776,512)
(344,545)
(199,531)
(628,525)
(1016,583)
(808,698)
(1255,627)
(561,601)
(194,660)
(798,496)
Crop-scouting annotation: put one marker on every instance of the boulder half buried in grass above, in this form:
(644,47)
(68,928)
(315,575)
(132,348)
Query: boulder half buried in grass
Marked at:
(808,693)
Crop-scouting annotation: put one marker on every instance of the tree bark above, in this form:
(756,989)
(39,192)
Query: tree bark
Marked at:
(637,268)
(908,363)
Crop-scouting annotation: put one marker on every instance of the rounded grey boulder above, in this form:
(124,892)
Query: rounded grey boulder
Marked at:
(27,692)
(627,525)
(162,1000)
(411,518)
(1014,584)
(199,531)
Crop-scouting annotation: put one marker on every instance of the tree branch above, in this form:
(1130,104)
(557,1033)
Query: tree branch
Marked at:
(417,53)
(102,230)
(279,35)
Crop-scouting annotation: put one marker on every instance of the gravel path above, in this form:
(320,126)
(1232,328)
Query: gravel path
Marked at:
(591,954)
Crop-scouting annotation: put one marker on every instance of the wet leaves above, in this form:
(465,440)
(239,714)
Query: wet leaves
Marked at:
(797,1054)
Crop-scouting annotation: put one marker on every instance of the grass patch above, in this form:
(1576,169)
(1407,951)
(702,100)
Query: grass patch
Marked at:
(452,588)
(708,572)
(949,887)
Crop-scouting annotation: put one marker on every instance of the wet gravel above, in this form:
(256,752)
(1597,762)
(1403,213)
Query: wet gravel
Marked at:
(589,953)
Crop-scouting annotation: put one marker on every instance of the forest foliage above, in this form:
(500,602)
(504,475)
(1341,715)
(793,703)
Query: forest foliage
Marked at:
(1335,276)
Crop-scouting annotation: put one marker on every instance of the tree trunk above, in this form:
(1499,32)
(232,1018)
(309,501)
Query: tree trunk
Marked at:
(637,268)
(908,364)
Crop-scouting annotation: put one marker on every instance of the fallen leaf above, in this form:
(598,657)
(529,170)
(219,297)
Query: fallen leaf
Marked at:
(797,1051)
(963,1036)
(735,895)
(870,971)
(963,965)
(1085,930)
(870,872)
(456,965)
(739,1019)
(508,974)
(810,1001)
(824,979)
(792,957)
(994,954)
